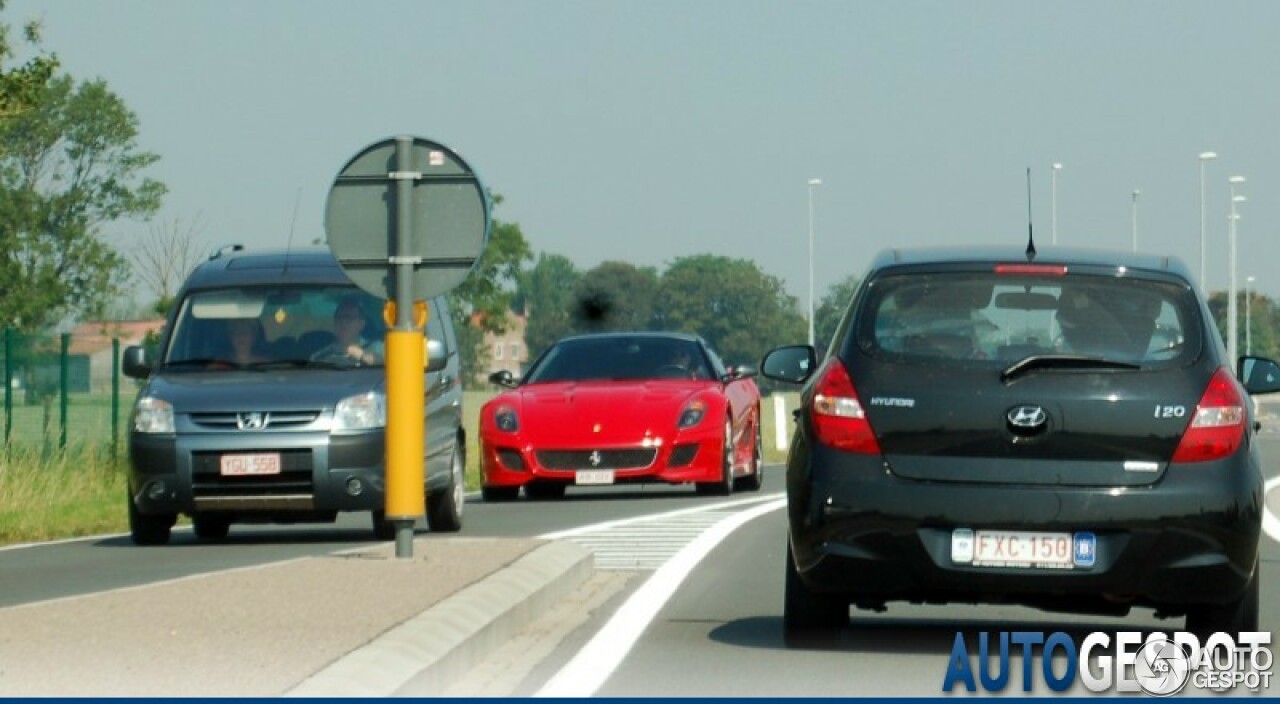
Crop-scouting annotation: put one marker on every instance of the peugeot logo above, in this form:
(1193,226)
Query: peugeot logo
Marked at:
(1027,417)
(594,458)
(251,421)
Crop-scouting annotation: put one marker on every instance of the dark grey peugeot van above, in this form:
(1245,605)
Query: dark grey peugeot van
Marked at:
(265,402)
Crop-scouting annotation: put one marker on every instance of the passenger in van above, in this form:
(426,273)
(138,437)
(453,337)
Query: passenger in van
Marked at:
(349,342)
(247,341)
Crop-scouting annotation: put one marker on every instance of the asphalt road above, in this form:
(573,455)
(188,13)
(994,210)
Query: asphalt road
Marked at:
(719,634)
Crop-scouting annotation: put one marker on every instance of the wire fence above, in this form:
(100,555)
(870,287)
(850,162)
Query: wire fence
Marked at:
(64,390)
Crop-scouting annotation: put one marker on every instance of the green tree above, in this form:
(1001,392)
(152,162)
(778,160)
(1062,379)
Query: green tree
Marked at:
(738,309)
(831,309)
(481,302)
(545,294)
(68,165)
(20,85)
(615,296)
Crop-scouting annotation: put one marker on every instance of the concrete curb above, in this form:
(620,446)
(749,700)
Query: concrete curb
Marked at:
(437,647)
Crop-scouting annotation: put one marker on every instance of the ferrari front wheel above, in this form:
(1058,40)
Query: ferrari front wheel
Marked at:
(724,486)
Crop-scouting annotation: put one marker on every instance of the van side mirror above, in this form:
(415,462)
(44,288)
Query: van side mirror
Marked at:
(135,362)
(436,357)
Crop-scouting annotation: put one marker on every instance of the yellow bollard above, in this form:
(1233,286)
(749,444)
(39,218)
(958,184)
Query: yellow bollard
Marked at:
(405,425)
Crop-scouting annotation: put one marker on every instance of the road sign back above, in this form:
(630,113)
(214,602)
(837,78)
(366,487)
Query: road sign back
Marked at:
(447,220)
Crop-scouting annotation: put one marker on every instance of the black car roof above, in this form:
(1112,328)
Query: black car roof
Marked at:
(687,337)
(1080,256)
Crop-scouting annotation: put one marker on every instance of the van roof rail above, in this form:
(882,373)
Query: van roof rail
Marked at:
(224,249)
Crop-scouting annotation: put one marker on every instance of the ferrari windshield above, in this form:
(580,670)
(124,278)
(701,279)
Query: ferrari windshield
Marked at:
(275,325)
(620,358)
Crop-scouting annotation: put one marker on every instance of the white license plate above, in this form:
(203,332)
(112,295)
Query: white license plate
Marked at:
(593,476)
(1009,548)
(250,464)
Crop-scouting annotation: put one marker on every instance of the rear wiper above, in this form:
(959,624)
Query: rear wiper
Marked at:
(1062,361)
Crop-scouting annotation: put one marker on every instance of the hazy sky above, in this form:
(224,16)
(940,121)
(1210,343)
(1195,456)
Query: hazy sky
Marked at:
(647,130)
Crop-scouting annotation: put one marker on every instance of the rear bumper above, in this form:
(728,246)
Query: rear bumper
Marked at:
(857,530)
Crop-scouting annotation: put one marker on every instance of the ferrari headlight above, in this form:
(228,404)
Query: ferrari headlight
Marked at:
(364,412)
(152,415)
(505,418)
(692,413)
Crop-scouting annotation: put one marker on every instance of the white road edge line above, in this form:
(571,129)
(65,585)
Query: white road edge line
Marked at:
(597,660)
(1270,523)
(653,517)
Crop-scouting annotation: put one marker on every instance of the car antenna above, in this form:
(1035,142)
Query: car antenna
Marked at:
(288,248)
(1031,238)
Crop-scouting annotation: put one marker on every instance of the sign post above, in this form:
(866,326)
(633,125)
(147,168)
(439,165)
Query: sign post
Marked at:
(407,220)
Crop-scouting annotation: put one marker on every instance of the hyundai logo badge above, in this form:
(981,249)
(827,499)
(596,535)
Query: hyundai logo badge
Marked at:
(1027,417)
(251,421)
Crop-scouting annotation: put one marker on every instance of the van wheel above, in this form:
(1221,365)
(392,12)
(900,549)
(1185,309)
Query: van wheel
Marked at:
(382,528)
(808,617)
(724,487)
(444,507)
(210,527)
(148,529)
(1235,616)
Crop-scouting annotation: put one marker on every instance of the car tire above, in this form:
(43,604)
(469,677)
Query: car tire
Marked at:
(542,491)
(1233,617)
(755,480)
(210,527)
(444,507)
(499,494)
(724,487)
(149,529)
(383,529)
(808,617)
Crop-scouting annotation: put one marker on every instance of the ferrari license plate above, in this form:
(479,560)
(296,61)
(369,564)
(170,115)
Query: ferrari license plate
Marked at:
(593,476)
(250,464)
(1010,548)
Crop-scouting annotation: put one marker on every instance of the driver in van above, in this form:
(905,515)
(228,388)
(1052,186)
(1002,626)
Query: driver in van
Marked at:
(349,342)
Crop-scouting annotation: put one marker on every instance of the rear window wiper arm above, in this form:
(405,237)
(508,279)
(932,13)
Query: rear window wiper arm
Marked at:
(1062,361)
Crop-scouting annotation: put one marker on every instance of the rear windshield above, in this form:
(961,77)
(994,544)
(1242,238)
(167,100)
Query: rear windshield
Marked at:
(977,318)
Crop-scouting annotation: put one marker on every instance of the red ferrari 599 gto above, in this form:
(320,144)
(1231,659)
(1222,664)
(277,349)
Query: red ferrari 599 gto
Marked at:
(615,408)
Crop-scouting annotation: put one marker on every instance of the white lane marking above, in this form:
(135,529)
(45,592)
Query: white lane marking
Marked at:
(597,660)
(1270,523)
(598,527)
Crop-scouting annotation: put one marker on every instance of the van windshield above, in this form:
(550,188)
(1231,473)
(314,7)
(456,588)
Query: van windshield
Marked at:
(293,325)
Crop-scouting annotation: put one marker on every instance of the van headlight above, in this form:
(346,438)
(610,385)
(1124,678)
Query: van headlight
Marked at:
(364,412)
(152,415)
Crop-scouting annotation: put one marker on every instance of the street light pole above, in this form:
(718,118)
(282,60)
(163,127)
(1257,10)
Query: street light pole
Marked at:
(1233,325)
(1136,193)
(1204,156)
(1248,315)
(812,182)
(1053,210)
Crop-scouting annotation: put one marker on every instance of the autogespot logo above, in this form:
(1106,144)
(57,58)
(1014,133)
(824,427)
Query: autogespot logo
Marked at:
(1158,665)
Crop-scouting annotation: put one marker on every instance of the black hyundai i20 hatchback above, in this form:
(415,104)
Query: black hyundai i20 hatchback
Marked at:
(1059,430)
